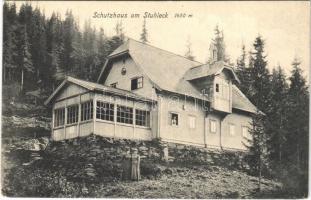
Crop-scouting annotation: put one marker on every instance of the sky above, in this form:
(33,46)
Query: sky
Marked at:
(284,25)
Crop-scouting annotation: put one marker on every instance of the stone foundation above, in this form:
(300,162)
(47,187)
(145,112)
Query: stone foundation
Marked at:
(93,157)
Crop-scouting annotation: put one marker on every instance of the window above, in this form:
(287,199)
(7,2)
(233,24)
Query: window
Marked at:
(136,83)
(192,122)
(174,119)
(245,132)
(213,126)
(59,117)
(114,85)
(142,118)
(105,111)
(72,114)
(231,129)
(217,87)
(124,114)
(87,110)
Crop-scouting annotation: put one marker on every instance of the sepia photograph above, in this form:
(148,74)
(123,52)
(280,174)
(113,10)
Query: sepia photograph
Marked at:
(155,99)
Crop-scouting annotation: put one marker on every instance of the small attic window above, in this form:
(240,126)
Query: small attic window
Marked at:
(123,61)
(217,87)
(136,83)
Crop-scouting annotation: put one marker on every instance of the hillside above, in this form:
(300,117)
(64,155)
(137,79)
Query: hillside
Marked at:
(90,167)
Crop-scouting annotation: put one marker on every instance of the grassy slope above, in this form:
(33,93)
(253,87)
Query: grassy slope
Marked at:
(190,183)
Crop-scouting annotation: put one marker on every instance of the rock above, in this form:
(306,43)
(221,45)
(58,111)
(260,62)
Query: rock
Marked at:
(143,148)
(168,171)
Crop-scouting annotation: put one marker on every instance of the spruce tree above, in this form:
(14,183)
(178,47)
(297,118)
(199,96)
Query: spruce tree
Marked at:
(24,57)
(256,146)
(278,117)
(144,33)
(119,30)
(220,45)
(297,146)
(9,42)
(244,73)
(261,86)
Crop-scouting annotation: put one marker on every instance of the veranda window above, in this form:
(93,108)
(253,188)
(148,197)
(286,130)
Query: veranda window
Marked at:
(104,111)
(72,114)
(142,118)
(87,110)
(59,117)
(124,114)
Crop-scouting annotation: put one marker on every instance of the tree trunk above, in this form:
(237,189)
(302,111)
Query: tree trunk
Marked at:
(4,74)
(280,153)
(298,156)
(22,80)
(259,178)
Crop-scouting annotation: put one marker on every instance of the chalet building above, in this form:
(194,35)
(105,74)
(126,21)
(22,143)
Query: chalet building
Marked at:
(144,92)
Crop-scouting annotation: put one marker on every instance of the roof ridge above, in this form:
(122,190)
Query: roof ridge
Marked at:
(129,38)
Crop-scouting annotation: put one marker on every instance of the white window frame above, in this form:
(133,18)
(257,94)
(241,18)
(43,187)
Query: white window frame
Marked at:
(171,119)
(213,121)
(192,121)
(73,114)
(105,111)
(232,129)
(139,82)
(142,117)
(59,117)
(125,116)
(87,110)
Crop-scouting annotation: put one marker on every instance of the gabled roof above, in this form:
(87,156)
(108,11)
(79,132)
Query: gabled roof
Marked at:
(241,102)
(163,68)
(212,69)
(95,87)
(171,72)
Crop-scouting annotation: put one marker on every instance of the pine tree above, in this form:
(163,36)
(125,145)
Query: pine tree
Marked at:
(189,53)
(278,117)
(261,86)
(220,45)
(244,73)
(120,30)
(9,41)
(257,147)
(298,130)
(69,28)
(24,57)
(144,33)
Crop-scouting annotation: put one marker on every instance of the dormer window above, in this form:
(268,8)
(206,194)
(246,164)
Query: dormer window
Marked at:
(136,83)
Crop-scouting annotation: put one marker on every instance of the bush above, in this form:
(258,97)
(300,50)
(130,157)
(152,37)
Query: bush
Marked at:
(150,170)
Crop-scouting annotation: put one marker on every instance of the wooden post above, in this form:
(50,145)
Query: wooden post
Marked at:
(134,119)
(79,115)
(94,113)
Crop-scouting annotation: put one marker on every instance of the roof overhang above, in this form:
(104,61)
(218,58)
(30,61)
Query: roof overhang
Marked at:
(108,62)
(235,77)
(97,88)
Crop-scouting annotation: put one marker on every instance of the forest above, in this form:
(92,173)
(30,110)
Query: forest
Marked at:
(39,51)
